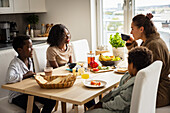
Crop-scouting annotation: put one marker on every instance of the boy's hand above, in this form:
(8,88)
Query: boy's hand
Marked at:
(28,74)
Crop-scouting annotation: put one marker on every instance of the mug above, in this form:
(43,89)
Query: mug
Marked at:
(125,37)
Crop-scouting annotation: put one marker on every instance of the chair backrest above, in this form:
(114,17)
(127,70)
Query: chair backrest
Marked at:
(80,50)
(39,57)
(5,58)
(145,89)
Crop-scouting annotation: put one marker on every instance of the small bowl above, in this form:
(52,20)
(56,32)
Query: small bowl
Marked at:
(110,63)
(72,65)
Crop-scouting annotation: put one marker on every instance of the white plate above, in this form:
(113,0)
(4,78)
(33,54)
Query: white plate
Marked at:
(87,83)
(115,70)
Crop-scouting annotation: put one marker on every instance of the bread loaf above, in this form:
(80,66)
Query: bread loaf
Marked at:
(56,81)
(122,70)
(40,79)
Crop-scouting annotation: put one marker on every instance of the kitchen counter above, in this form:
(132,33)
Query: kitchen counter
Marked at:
(4,46)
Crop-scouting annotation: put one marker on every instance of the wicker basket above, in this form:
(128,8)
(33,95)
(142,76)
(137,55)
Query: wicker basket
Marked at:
(67,84)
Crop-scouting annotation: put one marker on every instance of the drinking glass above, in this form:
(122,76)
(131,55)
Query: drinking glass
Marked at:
(48,71)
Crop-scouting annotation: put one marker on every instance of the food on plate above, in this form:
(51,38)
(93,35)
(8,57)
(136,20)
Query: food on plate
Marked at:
(103,68)
(95,69)
(122,70)
(40,79)
(94,64)
(93,82)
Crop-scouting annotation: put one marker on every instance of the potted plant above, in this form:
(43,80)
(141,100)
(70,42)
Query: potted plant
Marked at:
(118,45)
(33,21)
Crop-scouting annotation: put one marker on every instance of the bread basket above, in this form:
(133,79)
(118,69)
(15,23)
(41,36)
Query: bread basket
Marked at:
(65,82)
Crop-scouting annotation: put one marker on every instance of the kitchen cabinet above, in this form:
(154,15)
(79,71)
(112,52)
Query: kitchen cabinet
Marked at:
(37,6)
(6,6)
(22,6)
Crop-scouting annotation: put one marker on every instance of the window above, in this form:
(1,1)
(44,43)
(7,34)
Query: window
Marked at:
(116,16)
(161,13)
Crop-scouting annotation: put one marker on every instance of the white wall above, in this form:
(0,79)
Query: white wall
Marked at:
(74,14)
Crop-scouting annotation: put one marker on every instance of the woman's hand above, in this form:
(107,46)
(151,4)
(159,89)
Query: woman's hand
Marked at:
(54,64)
(130,40)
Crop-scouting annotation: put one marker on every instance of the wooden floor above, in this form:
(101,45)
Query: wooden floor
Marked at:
(69,108)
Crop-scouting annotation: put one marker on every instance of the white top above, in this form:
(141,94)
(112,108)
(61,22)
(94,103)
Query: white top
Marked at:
(16,70)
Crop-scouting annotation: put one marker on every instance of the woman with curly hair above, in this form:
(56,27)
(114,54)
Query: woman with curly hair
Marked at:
(143,28)
(59,52)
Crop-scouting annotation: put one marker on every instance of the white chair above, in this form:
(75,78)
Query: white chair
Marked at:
(80,50)
(145,89)
(39,57)
(165,109)
(40,60)
(5,58)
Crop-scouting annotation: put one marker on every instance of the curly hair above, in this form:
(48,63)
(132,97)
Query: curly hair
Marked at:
(19,42)
(56,35)
(142,20)
(141,57)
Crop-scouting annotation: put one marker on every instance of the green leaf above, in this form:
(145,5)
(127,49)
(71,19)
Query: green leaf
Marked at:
(116,41)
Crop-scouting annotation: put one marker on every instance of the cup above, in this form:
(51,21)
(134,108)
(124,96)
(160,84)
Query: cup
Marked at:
(86,74)
(125,37)
(48,71)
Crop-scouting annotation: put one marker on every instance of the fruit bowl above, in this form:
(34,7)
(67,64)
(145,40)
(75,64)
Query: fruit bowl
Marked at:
(110,63)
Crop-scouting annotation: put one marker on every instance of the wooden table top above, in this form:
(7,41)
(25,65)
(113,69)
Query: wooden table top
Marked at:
(77,94)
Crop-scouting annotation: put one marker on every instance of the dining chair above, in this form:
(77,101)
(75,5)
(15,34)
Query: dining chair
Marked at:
(145,89)
(80,50)
(39,57)
(165,109)
(5,107)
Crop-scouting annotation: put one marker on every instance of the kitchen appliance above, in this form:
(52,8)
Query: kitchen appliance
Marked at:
(13,30)
(5,31)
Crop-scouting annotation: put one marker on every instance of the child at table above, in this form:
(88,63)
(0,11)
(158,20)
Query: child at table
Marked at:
(21,67)
(59,52)
(119,99)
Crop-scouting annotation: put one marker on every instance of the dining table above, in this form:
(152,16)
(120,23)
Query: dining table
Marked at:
(78,94)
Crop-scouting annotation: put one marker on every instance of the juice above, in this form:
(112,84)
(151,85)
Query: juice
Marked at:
(85,76)
(89,59)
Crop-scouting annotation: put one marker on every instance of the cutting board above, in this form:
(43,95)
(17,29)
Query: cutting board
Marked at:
(101,71)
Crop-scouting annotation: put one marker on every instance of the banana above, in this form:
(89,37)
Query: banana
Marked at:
(100,59)
(104,58)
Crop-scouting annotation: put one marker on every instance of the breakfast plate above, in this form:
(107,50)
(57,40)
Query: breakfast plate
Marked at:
(121,70)
(87,83)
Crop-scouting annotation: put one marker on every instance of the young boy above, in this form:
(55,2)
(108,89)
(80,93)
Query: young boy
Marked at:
(21,67)
(119,100)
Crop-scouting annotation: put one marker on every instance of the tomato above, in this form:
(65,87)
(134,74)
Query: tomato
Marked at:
(98,83)
(94,64)
(93,82)
(95,69)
